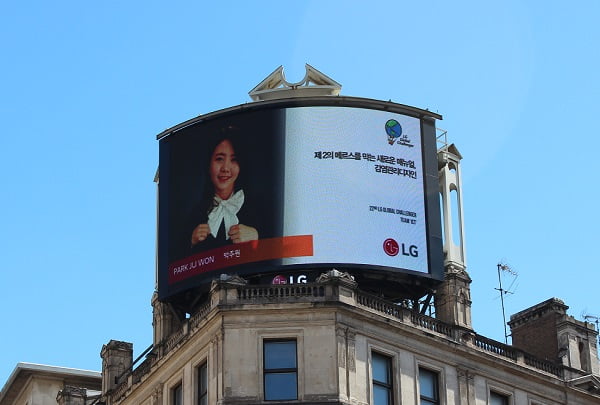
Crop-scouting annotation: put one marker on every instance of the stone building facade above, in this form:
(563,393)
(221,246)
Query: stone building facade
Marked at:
(349,348)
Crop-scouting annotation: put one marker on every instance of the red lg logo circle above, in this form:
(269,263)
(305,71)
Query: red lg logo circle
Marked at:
(390,247)
(279,280)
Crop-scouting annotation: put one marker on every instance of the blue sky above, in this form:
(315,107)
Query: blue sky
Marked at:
(86,86)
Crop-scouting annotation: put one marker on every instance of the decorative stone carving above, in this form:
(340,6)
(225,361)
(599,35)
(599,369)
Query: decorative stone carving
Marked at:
(314,83)
(233,279)
(157,394)
(335,274)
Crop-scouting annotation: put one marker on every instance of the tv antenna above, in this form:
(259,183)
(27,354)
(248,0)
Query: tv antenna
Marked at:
(595,319)
(503,267)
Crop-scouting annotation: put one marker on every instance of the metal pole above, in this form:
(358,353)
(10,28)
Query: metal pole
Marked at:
(502,301)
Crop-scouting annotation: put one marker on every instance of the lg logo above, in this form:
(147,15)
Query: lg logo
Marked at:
(392,248)
(300,279)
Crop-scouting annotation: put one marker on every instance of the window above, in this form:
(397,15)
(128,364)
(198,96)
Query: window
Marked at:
(498,399)
(382,379)
(428,387)
(203,384)
(280,370)
(177,395)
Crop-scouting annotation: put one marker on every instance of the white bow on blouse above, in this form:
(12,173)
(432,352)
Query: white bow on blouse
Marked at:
(226,210)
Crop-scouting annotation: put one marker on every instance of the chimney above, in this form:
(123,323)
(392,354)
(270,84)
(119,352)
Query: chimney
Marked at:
(546,331)
(117,359)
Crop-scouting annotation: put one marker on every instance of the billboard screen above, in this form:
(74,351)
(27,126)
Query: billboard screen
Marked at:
(265,190)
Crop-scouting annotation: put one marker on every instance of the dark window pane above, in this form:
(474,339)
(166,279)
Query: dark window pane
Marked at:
(381,368)
(280,355)
(498,399)
(202,378)
(428,384)
(280,370)
(203,384)
(280,386)
(177,395)
(381,395)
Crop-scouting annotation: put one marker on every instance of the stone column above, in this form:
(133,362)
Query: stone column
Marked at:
(164,320)
(466,387)
(453,298)
(117,358)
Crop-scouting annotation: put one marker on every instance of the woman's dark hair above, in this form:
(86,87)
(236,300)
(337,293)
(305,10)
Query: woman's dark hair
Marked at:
(232,135)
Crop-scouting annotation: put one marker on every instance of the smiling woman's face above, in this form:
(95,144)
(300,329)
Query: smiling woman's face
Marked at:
(224,169)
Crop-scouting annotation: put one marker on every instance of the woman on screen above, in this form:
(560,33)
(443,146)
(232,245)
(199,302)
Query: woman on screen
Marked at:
(224,216)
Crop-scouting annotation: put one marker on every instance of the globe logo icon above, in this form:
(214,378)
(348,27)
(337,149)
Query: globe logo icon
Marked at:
(393,130)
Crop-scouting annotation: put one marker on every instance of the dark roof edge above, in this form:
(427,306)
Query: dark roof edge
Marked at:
(342,101)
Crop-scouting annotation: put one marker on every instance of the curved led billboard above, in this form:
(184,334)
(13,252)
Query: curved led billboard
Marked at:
(288,185)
